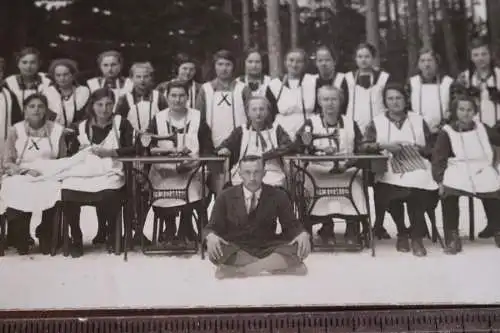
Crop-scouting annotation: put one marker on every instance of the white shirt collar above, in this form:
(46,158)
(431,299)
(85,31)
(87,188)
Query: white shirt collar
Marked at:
(248,194)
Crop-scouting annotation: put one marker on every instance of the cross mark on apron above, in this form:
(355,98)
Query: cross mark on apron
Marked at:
(224,99)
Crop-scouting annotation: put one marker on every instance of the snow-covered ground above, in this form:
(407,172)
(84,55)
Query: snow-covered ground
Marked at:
(101,280)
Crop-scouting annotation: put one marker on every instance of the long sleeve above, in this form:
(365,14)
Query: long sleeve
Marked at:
(291,227)
(126,139)
(345,92)
(217,222)
(493,135)
(369,143)
(233,143)
(426,151)
(10,153)
(17,114)
(122,107)
(200,104)
(205,139)
(272,103)
(441,152)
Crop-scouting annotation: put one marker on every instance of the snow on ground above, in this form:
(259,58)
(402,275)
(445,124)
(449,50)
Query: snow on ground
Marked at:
(101,280)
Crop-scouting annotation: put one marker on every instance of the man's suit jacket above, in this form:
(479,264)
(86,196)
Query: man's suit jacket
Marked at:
(231,221)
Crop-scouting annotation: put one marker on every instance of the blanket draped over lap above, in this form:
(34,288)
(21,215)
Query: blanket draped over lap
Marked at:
(32,194)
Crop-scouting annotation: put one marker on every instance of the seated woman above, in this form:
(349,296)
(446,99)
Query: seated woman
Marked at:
(191,138)
(105,135)
(462,165)
(30,143)
(405,137)
(344,138)
(259,137)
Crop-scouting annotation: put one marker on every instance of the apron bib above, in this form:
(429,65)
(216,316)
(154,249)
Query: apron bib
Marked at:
(141,113)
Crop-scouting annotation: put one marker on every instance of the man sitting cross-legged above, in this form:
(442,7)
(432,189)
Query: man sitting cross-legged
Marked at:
(241,235)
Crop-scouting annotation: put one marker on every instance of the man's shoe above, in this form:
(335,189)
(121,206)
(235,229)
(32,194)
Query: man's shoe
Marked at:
(497,239)
(381,233)
(487,232)
(453,243)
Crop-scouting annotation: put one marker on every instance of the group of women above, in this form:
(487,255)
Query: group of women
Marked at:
(61,139)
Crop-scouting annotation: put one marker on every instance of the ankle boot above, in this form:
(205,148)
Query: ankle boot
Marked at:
(453,243)
(497,239)
(76,248)
(403,244)
(418,249)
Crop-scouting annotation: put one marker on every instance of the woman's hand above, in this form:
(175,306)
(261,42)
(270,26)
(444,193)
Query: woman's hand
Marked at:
(330,150)
(34,173)
(393,148)
(224,152)
(291,110)
(103,152)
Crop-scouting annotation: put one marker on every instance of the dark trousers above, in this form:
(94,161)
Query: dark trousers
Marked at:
(19,225)
(186,229)
(451,212)
(107,210)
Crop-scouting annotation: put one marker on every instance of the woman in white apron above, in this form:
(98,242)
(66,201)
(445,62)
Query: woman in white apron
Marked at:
(345,139)
(405,137)
(107,136)
(222,105)
(482,80)
(294,94)
(326,61)
(141,104)
(29,144)
(186,72)
(66,99)
(365,85)
(462,165)
(260,137)
(110,65)
(192,138)
(6,105)
(28,81)
(429,90)
(254,78)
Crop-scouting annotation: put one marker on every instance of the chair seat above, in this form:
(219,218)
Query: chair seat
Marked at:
(169,203)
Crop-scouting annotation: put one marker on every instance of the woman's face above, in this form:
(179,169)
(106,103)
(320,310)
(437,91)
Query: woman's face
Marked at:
(177,98)
(142,78)
(224,69)
(395,101)
(258,111)
(364,58)
(110,67)
(28,65)
(35,110)
(253,64)
(465,112)
(295,63)
(103,108)
(427,64)
(324,62)
(481,57)
(329,101)
(63,76)
(186,71)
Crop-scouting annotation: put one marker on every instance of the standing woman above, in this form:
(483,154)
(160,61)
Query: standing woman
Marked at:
(407,178)
(429,90)
(110,64)
(254,78)
(29,144)
(186,72)
(482,80)
(462,165)
(108,136)
(193,139)
(28,81)
(143,103)
(365,86)
(294,94)
(67,99)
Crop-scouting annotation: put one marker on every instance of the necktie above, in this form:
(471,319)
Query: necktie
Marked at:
(253,203)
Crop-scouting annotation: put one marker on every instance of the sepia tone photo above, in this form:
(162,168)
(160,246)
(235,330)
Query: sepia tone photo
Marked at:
(249,153)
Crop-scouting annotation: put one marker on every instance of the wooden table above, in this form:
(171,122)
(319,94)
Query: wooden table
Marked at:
(131,215)
(363,163)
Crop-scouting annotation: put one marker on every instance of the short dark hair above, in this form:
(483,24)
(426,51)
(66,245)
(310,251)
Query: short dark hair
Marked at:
(97,95)
(252,158)
(27,51)
(395,86)
(177,84)
(224,54)
(328,49)
(39,96)
(368,46)
(462,98)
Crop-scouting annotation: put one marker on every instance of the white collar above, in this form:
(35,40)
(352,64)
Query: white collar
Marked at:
(248,194)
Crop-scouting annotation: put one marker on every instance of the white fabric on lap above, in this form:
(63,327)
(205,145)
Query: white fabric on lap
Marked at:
(22,193)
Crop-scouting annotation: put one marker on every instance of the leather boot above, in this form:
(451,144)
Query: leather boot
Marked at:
(418,249)
(403,244)
(453,243)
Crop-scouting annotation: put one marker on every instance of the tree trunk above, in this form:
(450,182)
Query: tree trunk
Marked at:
(294,23)
(228,7)
(449,39)
(372,27)
(413,39)
(397,18)
(245,18)
(425,24)
(493,12)
(273,37)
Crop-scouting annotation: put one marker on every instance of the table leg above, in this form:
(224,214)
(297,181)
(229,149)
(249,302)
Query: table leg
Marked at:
(203,215)
(368,210)
(127,216)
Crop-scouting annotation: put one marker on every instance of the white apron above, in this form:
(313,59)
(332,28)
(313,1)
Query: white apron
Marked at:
(5,117)
(471,169)
(141,113)
(489,111)
(20,191)
(411,132)
(98,82)
(66,108)
(296,101)
(261,91)
(252,145)
(431,100)
(320,172)
(114,179)
(22,94)
(164,176)
(337,83)
(365,104)
(225,111)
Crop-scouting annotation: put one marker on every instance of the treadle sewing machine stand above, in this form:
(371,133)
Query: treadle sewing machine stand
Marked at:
(297,175)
